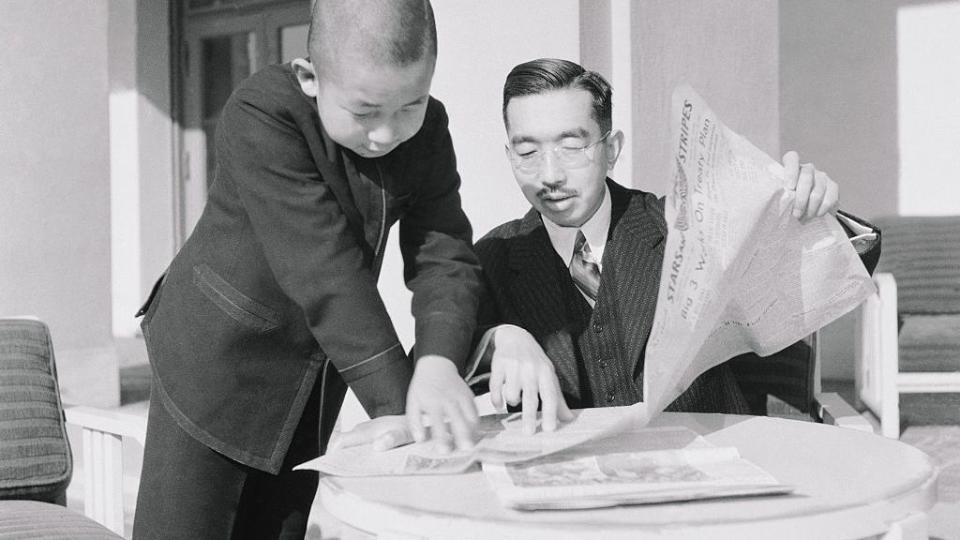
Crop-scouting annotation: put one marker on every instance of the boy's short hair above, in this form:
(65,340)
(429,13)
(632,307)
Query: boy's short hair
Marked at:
(391,32)
(546,74)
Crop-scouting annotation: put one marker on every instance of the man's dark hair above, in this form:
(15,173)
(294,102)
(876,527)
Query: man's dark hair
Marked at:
(548,74)
(390,32)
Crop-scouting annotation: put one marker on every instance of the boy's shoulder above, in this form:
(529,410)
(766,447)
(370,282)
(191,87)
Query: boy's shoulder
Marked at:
(274,87)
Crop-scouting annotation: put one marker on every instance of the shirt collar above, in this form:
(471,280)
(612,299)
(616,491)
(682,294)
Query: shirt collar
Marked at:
(595,230)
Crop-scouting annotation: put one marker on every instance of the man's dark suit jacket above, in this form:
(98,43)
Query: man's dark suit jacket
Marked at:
(277,284)
(522,288)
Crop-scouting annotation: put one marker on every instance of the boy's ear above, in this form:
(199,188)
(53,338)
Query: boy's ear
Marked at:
(307,76)
(614,144)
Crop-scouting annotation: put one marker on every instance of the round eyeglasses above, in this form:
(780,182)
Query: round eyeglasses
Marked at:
(569,157)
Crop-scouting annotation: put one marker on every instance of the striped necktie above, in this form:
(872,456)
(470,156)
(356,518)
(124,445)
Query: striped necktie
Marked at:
(583,268)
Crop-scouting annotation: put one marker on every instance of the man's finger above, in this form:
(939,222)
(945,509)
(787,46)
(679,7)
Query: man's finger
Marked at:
(511,389)
(817,195)
(563,411)
(530,401)
(791,169)
(830,198)
(804,187)
(496,389)
(548,402)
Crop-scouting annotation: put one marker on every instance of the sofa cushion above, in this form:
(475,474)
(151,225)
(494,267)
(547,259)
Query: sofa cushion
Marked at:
(35,460)
(923,254)
(32,519)
(930,343)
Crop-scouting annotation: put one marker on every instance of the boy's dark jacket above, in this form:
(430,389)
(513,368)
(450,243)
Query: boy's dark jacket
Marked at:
(276,286)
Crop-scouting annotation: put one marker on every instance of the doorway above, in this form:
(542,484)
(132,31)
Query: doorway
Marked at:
(221,43)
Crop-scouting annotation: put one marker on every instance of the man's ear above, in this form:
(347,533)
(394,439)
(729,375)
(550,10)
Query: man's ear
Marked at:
(614,145)
(307,76)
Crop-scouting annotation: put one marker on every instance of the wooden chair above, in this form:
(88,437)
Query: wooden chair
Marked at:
(908,334)
(793,377)
(36,461)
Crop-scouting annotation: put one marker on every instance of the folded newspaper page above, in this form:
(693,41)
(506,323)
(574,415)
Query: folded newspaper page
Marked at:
(740,273)
(643,466)
(501,441)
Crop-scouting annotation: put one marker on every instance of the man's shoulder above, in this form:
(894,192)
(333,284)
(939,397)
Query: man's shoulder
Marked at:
(505,230)
(497,241)
(636,198)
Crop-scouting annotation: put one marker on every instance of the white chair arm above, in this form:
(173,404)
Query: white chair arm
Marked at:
(834,410)
(876,356)
(112,422)
(102,441)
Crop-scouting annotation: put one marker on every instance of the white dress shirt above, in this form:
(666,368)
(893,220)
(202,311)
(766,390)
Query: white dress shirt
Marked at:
(595,231)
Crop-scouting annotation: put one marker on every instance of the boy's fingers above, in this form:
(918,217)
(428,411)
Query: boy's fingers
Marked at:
(415,421)
(791,167)
(439,432)
(469,410)
(391,439)
(548,404)
(462,428)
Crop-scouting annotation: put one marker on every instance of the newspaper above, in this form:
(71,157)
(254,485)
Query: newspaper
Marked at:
(740,273)
(501,440)
(640,466)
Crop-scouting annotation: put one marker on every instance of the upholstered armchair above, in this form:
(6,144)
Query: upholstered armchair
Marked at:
(909,333)
(36,461)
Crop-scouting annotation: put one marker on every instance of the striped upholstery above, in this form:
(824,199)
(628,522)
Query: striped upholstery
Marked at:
(31,519)
(35,461)
(923,254)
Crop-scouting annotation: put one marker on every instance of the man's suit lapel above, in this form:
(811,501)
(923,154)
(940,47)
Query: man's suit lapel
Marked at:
(632,261)
(539,298)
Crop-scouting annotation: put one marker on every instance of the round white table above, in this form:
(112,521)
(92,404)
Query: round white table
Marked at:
(849,484)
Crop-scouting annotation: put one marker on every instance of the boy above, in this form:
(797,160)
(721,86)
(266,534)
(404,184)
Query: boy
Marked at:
(270,309)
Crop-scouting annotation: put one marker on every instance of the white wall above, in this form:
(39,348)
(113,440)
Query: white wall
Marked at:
(928,112)
(727,51)
(478,44)
(141,153)
(869,92)
(55,177)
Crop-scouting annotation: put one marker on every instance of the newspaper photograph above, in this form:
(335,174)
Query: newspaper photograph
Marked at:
(644,466)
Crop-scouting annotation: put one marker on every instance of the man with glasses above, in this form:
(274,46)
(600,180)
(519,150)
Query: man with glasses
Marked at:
(571,285)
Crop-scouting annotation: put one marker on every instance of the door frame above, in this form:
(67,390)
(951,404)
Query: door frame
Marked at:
(264,19)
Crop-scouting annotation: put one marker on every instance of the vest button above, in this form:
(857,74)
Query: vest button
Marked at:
(611,397)
(603,364)
(598,328)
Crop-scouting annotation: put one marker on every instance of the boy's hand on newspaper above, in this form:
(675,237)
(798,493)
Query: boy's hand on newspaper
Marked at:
(384,433)
(520,372)
(816,193)
(438,392)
